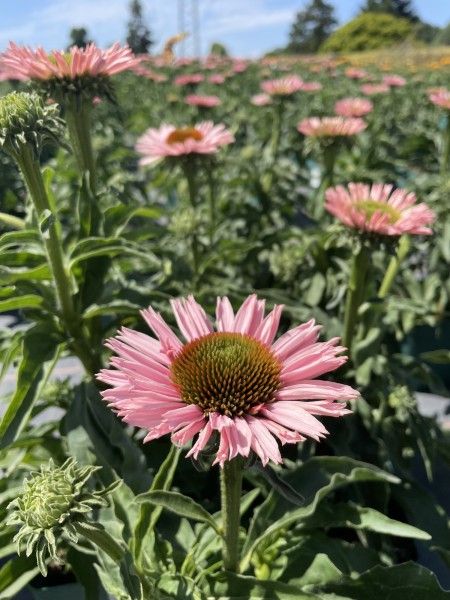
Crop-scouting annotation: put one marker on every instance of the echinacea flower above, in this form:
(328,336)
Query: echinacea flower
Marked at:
(232,383)
(331,126)
(188,79)
(394,80)
(206,101)
(378,209)
(310,86)
(353,107)
(371,89)
(440,97)
(216,78)
(261,100)
(355,73)
(168,140)
(282,87)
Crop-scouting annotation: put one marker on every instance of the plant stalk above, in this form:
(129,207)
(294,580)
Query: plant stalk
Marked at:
(355,294)
(231,490)
(394,266)
(446,148)
(78,118)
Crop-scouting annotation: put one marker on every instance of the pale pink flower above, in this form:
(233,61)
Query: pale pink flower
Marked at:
(282,87)
(376,209)
(188,79)
(394,80)
(239,67)
(380,88)
(353,107)
(261,99)
(355,73)
(168,140)
(331,126)
(77,62)
(440,97)
(310,86)
(233,381)
(216,78)
(206,101)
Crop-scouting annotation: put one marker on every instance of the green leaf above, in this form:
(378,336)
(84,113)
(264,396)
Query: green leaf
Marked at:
(111,247)
(320,571)
(275,481)
(438,357)
(409,581)
(179,504)
(17,302)
(15,574)
(47,220)
(39,273)
(39,355)
(19,238)
(359,517)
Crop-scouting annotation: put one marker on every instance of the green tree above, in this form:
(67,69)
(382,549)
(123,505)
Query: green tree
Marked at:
(311,28)
(398,8)
(139,38)
(369,31)
(78,37)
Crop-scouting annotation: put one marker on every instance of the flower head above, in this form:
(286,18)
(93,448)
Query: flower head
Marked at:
(26,121)
(217,78)
(353,107)
(232,383)
(394,80)
(331,126)
(80,70)
(355,73)
(55,501)
(282,87)
(206,101)
(168,140)
(440,97)
(376,209)
(310,86)
(188,79)
(371,89)
(261,100)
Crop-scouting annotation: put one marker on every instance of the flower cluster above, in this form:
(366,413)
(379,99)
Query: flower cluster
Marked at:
(331,126)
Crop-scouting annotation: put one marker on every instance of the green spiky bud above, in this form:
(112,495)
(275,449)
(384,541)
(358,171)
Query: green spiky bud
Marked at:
(54,505)
(25,121)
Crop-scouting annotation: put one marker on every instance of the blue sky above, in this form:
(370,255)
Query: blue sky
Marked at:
(245,27)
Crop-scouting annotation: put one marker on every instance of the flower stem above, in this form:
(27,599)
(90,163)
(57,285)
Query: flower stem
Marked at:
(212,205)
(327,180)
(102,539)
(355,295)
(274,142)
(446,148)
(394,266)
(78,118)
(190,174)
(231,489)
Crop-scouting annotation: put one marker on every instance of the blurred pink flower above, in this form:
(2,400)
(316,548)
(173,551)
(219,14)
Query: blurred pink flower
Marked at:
(239,67)
(206,101)
(440,97)
(282,87)
(216,78)
(355,73)
(234,382)
(168,140)
(77,62)
(261,99)
(353,107)
(331,126)
(376,209)
(188,79)
(380,88)
(310,86)
(394,80)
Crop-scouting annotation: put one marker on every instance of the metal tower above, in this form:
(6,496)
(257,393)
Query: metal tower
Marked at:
(189,21)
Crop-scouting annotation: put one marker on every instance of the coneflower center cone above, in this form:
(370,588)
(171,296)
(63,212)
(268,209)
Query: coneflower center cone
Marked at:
(184,133)
(370,207)
(228,373)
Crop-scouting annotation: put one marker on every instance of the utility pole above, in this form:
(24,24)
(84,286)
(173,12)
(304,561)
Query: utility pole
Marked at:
(189,21)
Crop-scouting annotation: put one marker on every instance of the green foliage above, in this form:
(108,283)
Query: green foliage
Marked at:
(79,37)
(369,31)
(397,8)
(218,49)
(312,26)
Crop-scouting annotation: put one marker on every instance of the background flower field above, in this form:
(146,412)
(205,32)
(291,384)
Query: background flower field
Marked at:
(360,514)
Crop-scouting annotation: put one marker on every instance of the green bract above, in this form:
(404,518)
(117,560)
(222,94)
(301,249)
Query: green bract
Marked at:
(54,504)
(26,121)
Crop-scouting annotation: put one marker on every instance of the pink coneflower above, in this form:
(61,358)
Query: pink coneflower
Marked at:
(355,73)
(188,79)
(331,126)
(282,87)
(310,86)
(76,63)
(353,107)
(234,382)
(441,97)
(239,67)
(206,101)
(261,99)
(394,80)
(216,78)
(380,88)
(376,209)
(168,140)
